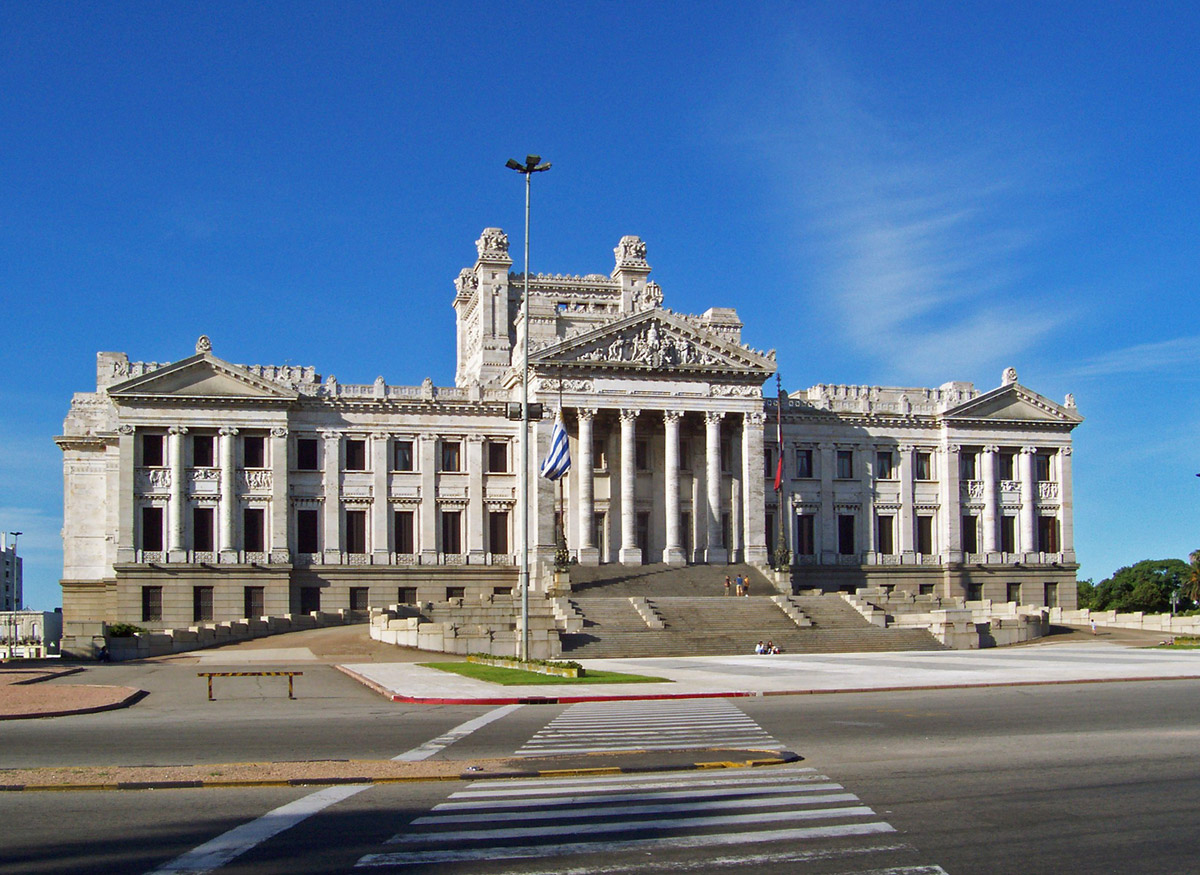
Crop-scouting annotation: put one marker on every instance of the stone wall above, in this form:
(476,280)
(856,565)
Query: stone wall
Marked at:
(1137,620)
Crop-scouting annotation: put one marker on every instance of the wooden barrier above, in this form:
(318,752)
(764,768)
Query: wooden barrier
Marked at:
(248,674)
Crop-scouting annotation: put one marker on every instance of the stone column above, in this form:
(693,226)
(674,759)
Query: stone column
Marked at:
(1028,517)
(127,509)
(754,510)
(586,509)
(988,458)
(951,504)
(277,526)
(867,468)
(175,526)
(475,510)
(717,552)
(381,506)
(228,509)
(673,552)
(828,544)
(630,553)
(906,521)
(1066,508)
(427,511)
(332,477)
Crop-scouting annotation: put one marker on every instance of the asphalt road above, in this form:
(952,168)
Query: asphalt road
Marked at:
(1075,778)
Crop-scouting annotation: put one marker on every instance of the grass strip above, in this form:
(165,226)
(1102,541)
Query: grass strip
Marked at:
(516,677)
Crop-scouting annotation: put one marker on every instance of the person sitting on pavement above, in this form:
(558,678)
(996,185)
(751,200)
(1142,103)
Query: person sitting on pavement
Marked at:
(759,648)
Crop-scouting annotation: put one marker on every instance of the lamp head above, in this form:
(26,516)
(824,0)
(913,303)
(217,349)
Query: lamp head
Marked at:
(513,164)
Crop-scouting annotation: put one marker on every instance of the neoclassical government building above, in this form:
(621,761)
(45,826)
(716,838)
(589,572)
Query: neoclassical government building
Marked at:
(204,490)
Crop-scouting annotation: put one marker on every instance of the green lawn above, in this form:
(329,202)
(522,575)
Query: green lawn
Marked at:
(515,676)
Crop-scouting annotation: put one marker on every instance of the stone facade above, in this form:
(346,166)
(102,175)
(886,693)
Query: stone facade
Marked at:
(201,490)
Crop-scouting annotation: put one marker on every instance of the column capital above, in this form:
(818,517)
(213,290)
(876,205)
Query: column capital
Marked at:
(952,448)
(279,432)
(227,431)
(330,435)
(475,438)
(670,416)
(756,418)
(582,413)
(125,429)
(905,448)
(380,435)
(628,414)
(991,448)
(1028,451)
(828,445)
(177,429)
(1064,451)
(714,416)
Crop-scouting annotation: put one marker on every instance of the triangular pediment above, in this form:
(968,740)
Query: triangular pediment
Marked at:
(198,377)
(654,340)
(1014,403)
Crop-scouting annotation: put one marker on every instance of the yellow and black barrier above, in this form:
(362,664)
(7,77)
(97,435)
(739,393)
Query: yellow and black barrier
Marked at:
(248,674)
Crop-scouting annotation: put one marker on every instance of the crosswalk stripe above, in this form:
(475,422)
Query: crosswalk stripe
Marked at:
(511,832)
(691,793)
(807,833)
(742,862)
(581,785)
(639,810)
(791,773)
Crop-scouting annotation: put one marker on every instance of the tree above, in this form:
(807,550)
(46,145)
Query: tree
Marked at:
(1191,585)
(1144,586)
(1086,591)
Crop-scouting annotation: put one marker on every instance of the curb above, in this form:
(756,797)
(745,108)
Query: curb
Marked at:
(781,758)
(133,698)
(389,694)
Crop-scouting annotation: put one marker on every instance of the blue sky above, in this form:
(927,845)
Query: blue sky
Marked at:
(891,193)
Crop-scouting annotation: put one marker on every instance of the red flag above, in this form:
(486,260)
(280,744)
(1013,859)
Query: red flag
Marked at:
(779,436)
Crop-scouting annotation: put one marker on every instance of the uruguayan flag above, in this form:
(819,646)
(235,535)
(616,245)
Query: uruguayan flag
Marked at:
(558,461)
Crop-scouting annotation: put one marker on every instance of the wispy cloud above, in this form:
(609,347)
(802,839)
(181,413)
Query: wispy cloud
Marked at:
(922,231)
(1143,358)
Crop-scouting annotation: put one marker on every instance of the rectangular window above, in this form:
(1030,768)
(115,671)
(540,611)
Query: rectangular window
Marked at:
(360,598)
(1048,534)
(202,451)
(600,455)
(846,534)
(974,592)
(804,463)
(254,529)
(497,457)
(1008,534)
(151,604)
(498,531)
(887,538)
(726,456)
(310,599)
(402,456)
(152,529)
(1041,465)
(1051,593)
(1008,465)
(845,464)
(925,589)
(970,534)
(769,463)
(307,531)
(356,454)
(356,531)
(883,465)
(253,601)
(1014,592)
(456,592)
(966,466)
(925,535)
(307,454)
(153,455)
(202,604)
(402,531)
(202,529)
(924,466)
(641,454)
(406,595)
(806,530)
(451,531)
(254,451)
(451,456)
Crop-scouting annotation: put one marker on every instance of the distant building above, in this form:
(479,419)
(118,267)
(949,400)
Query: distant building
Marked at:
(30,634)
(204,490)
(12,596)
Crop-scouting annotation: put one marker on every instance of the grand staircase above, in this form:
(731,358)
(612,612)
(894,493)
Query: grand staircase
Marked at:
(697,619)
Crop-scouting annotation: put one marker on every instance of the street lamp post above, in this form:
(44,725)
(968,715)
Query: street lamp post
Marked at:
(533,164)
(12,616)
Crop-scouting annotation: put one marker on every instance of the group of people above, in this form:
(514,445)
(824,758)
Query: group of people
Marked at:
(742,584)
(761,648)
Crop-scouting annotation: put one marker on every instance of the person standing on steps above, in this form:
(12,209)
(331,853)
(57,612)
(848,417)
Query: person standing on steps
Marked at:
(746,586)
(739,584)
(727,584)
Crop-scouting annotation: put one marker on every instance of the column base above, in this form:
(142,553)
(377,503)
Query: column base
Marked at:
(589,556)
(630,556)
(716,556)
(674,556)
(380,557)
(757,556)
(227,557)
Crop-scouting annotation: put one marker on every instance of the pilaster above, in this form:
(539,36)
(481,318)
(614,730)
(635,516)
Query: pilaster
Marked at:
(584,472)
(828,545)
(630,553)
(754,511)
(127,503)
(380,494)
(1066,508)
(673,551)
(277,525)
(175,527)
(989,459)
(227,542)
(474,515)
(1028,513)
(331,541)
(907,500)
(717,552)
(427,513)
(951,503)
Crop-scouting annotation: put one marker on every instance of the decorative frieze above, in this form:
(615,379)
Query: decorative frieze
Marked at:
(256,480)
